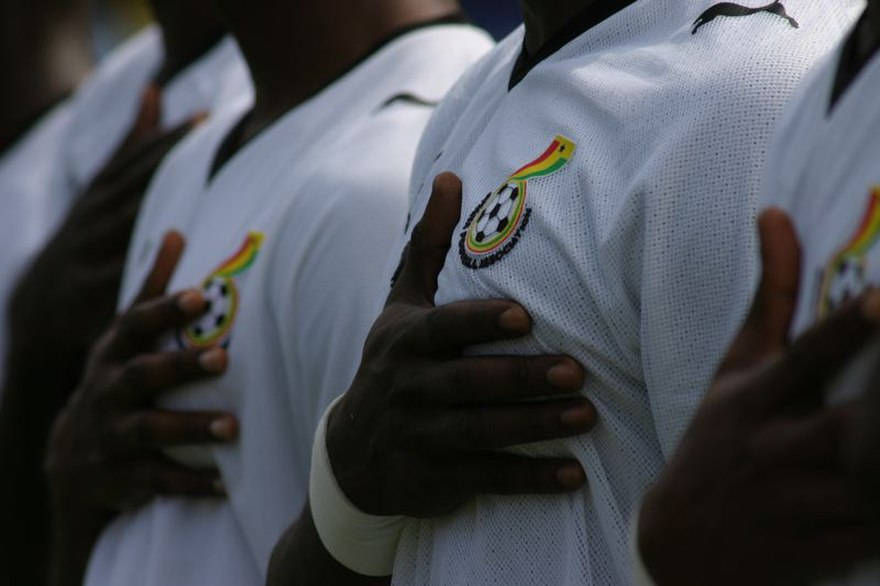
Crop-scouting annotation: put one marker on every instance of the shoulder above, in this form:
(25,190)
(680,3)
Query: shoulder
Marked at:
(796,133)
(136,57)
(431,59)
(460,96)
(30,168)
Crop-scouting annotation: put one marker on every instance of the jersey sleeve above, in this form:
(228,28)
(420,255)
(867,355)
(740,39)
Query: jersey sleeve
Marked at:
(796,132)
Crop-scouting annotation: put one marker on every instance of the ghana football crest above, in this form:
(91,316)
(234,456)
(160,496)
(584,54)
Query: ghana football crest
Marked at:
(496,225)
(844,276)
(220,289)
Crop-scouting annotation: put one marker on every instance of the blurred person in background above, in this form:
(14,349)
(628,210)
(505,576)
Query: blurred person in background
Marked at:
(139,102)
(45,51)
(823,173)
(289,205)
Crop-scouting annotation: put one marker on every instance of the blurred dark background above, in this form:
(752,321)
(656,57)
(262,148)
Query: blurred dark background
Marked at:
(116,19)
(499,17)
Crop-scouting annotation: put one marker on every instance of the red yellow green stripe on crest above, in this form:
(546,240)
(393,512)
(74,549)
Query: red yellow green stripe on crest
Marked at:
(857,248)
(244,258)
(554,158)
(868,232)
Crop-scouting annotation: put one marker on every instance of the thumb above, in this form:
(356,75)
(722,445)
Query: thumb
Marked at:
(430,241)
(163,268)
(149,116)
(766,328)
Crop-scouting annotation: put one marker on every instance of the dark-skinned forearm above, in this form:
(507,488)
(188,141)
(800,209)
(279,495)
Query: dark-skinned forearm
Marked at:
(74,534)
(300,559)
(41,371)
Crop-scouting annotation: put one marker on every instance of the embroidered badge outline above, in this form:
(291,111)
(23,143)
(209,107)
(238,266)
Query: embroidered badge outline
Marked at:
(220,288)
(496,225)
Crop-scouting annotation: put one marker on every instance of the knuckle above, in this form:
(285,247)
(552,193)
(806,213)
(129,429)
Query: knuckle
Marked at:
(128,323)
(410,332)
(182,363)
(406,387)
(433,328)
(135,372)
(139,430)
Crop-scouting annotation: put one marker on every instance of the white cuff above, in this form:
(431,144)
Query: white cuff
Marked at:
(640,575)
(366,544)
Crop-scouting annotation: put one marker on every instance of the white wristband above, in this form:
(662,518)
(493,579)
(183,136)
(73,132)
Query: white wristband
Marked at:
(640,575)
(366,544)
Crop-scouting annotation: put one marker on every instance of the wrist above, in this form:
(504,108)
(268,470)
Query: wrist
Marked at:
(363,543)
(353,468)
(75,530)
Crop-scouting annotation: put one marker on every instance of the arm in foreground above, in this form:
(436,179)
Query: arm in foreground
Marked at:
(57,310)
(757,492)
(433,418)
(105,452)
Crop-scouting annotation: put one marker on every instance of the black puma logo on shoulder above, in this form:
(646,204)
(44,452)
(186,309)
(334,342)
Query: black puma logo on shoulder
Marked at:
(409,99)
(734,10)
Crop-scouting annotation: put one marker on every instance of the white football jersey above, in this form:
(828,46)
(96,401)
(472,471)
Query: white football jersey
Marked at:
(32,193)
(107,104)
(612,192)
(48,169)
(822,169)
(289,241)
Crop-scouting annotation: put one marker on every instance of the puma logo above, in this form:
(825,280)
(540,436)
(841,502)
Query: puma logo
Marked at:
(735,10)
(409,99)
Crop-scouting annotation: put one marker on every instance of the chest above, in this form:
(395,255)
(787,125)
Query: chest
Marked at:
(837,213)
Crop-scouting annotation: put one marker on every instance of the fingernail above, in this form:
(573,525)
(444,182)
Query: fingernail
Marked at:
(220,487)
(515,320)
(191,301)
(224,428)
(213,360)
(580,417)
(566,374)
(571,477)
